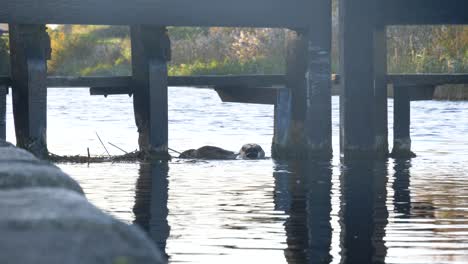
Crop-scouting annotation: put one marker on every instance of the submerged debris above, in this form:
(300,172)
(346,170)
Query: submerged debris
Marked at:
(135,156)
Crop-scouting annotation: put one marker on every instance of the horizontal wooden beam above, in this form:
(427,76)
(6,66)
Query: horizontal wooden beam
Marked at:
(420,12)
(239,13)
(110,90)
(237,80)
(426,79)
(60,81)
(185,81)
(228,80)
(248,95)
(4,80)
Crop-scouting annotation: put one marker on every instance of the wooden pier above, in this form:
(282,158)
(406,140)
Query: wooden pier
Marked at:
(302,97)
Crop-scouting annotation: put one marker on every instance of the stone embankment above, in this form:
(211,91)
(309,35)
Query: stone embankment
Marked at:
(46,219)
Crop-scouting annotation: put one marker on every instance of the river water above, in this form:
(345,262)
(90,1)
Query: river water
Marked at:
(265,211)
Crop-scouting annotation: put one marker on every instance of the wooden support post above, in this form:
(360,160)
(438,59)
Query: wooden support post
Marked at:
(3,93)
(380,89)
(151,50)
(401,123)
(357,125)
(304,128)
(29,51)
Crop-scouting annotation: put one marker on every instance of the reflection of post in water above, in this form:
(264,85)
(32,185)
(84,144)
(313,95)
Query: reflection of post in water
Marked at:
(303,191)
(363,215)
(151,197)
(402,203)
(401,183)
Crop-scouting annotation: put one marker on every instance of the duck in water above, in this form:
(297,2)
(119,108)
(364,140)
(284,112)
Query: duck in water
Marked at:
(248,151)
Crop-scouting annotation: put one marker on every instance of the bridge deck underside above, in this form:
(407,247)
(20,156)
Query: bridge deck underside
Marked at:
(240,13)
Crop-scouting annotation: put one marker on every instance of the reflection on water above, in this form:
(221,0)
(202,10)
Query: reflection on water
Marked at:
(263,211)
(303,192)
(151,196)
(363,212)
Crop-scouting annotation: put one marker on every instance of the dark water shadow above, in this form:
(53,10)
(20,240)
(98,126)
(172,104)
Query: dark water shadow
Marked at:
(303,191)
(363,212)
(403,205)
(151,197)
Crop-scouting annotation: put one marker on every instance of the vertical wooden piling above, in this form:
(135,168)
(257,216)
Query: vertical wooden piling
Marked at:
(29,51)
(3,93)
(318,79)
(357,126)
(380,88)
(151,50)
(303,125)
(401,123)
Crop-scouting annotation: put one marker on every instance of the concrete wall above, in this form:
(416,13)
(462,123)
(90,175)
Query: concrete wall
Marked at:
(45,218)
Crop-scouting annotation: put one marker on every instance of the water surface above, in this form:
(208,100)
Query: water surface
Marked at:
(265,212)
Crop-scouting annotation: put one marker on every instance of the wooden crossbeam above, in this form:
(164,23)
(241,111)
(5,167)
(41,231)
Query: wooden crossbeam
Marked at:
(239,13)
(121,84)
(427,79)
(414,12)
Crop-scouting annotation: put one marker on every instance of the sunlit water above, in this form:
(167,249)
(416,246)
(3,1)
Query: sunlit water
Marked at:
(261,212)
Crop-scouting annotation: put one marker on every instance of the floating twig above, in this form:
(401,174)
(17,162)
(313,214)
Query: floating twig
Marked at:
(103,144)
(118,148)
(174,151)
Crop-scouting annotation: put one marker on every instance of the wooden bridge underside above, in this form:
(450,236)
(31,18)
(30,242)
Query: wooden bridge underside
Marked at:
(240,13)
(302,111)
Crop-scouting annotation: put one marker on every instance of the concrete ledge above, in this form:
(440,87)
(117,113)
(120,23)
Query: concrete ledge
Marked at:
(51,225)
(11,153)
(20,174)
(45,219)
(5,144)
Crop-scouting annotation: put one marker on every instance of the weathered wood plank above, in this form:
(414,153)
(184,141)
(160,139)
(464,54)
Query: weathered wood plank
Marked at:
(292,108)
(114,90)
(5,80)
(228,80)
(3,93)
(410,12)
(248,95)
(29,51)
(357,124)
(256,81)
(150,53)
(65,81)
(380,86)
(259,13)
(303,114)
(412,80)
(181,81)
(318,83)
(401,126)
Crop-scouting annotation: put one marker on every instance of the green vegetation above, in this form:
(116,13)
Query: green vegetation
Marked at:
(104,50)
(428,49)
(100,50)
(4,59)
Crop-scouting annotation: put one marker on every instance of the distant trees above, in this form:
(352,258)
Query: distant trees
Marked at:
(4,56)
(428,49)
(104,50)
